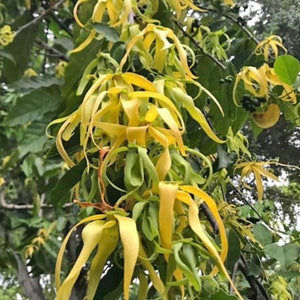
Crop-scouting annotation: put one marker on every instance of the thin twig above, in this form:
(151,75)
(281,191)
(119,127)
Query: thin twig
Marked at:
(40,17)
(199,47)
(10,206)
(252,37)
(242,197)
(52,51)
(61,24)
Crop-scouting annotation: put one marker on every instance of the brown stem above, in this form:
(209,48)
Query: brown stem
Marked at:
(40,17)
(51,50)
(199,47)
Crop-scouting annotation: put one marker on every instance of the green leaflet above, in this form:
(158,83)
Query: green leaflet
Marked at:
(186,270)
(148,165)
(133,171)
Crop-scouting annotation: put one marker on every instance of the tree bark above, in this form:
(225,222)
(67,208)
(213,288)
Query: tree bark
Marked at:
(31,286)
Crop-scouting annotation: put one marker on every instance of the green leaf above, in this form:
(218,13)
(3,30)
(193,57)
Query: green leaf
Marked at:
(234,250)
(34,106)
(61,223)
(110,33)
(285,254)
(262,234)
(287,68)
(61,192)
(221,295)
(7,55)
(34,138)
(225,159)
(20,49)
(25,85)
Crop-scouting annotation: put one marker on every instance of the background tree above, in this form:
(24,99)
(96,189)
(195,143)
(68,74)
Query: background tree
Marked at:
(184,72)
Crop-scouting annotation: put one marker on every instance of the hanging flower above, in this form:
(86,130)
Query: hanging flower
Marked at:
(269,47)
(6,35)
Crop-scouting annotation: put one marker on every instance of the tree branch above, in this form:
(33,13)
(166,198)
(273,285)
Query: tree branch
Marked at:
(10,206)
(50,49)
(199,47)
(40,17)
(31,286)
(257,288)
(252,37)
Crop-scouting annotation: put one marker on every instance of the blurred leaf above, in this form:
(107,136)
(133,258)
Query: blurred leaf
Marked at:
(7,55)
(285,254)
(34,106)
(110,33)
(225,159)
(221,295)
(25,85)
(61,192)
(34,138)
(20,48)
(262,234)
(287,68)
(234,250)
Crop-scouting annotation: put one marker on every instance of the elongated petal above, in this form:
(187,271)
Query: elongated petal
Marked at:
(156,281)
(90,236)
(197,228)
(106,245)
(167,195)
(130,240)
(139,81)
(86,42)
(259,184)
(163,164)
(168,119)
(214,210)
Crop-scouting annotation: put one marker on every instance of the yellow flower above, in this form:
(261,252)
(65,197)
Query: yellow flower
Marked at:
(254,81)
(118,11)
(260,83)
(6,35)
(30,73)
(60,69)
(182,6)
(229,2)
(166,48)
(269,47)
(258,170)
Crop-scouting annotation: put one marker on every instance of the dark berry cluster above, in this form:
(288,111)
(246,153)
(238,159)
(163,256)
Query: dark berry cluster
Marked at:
(195,24)
(251,104)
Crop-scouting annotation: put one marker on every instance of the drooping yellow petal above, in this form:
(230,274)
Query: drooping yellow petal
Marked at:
(214,210)
(198,116)
(90,234)
(130,240)
(259,184)
(168,119)
(197,228)
(163,164)
(86,42)
(139,81)
(155,279)
(106,245)
(131,109)
(137,135)
(167,195)
(75,14)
